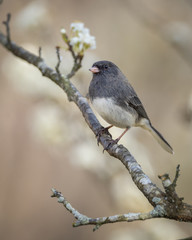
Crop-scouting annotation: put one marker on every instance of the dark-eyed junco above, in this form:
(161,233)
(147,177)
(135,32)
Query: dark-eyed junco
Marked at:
(116,101)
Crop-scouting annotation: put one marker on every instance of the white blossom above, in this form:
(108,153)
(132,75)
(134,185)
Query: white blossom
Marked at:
(78,26)
(83,40)
(63,31)
(80,38)
(85,31)
(74,41)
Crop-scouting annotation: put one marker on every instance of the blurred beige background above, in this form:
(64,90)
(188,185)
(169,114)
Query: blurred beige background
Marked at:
(44,141)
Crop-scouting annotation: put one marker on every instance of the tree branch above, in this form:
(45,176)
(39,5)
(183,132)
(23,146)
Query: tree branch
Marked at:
(98,222)
(165,204)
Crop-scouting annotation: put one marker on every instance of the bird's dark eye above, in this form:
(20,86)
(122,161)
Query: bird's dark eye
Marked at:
(105,66)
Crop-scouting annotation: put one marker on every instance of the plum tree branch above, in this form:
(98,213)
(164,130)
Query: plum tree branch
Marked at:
(165,204)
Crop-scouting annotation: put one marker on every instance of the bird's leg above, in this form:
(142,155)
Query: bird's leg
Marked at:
(117,140)
(106,129)
(102,131)
(112,142)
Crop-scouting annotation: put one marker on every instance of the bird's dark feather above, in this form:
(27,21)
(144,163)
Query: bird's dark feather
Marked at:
(133,101)
(106,84)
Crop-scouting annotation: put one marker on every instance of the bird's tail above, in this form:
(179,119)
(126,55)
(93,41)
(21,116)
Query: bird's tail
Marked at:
(160,139)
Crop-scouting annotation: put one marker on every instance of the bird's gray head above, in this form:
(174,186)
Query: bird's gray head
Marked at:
(104,67)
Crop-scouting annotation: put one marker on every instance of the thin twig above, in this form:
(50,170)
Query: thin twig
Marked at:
(59,61)
(76,65)
(174,184)
(84,220)
(77,57)
(6,23)
(40,52)
(70,48)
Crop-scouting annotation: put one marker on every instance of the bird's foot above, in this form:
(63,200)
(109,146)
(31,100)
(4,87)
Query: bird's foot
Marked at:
(100,132)
(111,142)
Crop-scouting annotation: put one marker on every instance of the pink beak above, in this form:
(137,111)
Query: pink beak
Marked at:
(94,69)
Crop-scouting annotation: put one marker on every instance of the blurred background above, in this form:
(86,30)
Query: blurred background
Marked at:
(44,141)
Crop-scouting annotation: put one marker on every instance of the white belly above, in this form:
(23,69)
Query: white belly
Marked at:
(113,114)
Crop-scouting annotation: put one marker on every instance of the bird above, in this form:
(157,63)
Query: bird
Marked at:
(113,97)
